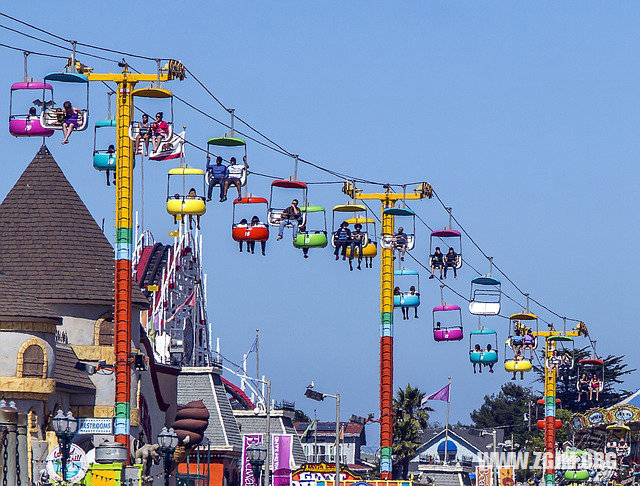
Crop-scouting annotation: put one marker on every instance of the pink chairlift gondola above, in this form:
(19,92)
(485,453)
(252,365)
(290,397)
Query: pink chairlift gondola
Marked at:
(28,125)
(452,329)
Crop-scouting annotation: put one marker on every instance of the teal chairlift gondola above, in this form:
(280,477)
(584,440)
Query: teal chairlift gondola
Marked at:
(403,297)
(387,241)
(479,337)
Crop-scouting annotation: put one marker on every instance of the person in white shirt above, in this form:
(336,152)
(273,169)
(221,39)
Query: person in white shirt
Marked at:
(235,176)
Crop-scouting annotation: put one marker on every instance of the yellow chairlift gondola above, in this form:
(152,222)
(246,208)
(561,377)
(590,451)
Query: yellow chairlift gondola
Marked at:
(521,338)
(365,246)
(158,131)
(182,197)
(370,250)
(618,440)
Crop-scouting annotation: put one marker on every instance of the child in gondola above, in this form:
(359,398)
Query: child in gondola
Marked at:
(71,120)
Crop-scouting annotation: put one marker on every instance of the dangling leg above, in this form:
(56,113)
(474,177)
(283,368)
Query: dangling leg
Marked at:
(108,183)
(263,245)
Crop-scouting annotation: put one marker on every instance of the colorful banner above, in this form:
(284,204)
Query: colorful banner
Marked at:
(506,476)
(282,449)
(246,473)
(484,476)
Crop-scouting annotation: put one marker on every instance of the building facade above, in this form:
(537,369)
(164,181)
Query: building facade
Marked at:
(56,316)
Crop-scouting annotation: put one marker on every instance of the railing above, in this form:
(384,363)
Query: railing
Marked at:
(285,405)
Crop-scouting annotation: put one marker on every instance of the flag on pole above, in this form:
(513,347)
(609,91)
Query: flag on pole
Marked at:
(442,394)
(312,426)
(341,433)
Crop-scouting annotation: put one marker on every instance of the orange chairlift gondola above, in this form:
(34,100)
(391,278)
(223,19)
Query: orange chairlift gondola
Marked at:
(452,238)
(28,124)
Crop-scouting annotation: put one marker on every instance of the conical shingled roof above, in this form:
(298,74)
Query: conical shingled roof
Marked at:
(52,243)
(19,304)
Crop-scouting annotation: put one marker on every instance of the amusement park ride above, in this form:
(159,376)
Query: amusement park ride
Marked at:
(172,277)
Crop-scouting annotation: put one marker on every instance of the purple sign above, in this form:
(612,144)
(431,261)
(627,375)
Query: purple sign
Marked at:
(281,459)
(246,474)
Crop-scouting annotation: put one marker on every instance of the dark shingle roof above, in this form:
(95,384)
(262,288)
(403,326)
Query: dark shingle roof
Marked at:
(17,303)
(66,374)
(52,243)
(206,385)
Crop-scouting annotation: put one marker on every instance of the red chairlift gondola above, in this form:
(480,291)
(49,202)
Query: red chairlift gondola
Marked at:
(274,212)
(246,229)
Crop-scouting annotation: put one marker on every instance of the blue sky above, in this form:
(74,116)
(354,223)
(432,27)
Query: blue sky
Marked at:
(523,116)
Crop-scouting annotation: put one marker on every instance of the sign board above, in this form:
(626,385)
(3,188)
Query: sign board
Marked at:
(77,464)
(281,452)
(484,476)
(506,476)
(310,473)
(95,426)
(246,473)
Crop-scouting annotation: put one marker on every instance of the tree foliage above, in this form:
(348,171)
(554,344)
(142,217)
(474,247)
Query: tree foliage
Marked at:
(507,410)
(614,371)
(301,416)
(409,420)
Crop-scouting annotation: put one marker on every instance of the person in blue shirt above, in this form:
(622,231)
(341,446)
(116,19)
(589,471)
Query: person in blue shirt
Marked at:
(342,239)
(216,174)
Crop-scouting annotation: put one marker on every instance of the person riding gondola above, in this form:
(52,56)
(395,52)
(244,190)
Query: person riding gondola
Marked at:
(583,386)
(451,261)
(357,241)
(594,387)
(437,261)
(400,242)
(290,216)
(342,239)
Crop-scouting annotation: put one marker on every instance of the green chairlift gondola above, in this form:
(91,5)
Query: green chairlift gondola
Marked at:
(311,234)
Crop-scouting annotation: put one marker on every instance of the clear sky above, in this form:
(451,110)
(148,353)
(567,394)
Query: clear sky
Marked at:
(522,115)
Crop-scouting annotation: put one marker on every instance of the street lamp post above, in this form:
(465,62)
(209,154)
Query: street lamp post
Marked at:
(315,395)
(168,441)
(257,454)
(267,470)
(65,427)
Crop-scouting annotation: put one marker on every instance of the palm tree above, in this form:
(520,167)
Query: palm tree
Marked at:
(409,420)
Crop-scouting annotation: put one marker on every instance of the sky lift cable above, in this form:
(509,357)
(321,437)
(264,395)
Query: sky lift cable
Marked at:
(57,45)
(79,43)
(280,149)
(499,269)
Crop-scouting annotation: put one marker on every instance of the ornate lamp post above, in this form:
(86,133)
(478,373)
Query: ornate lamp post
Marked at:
(257,456)
(168,441)
(65,427)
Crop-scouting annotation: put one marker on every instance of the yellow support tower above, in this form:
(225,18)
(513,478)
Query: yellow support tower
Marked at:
(388,200)
(125,82)
(550,396)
